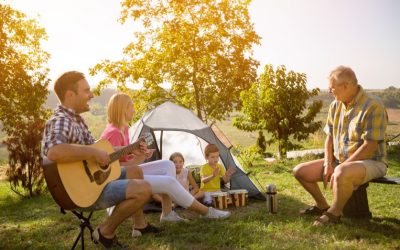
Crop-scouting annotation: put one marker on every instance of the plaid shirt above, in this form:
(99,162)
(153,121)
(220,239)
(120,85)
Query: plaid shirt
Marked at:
(65,126)
(365,118)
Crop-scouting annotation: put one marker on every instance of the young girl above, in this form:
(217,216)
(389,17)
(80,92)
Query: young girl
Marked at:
(184,175)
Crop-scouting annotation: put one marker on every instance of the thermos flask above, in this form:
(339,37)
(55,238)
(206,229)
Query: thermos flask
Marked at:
(272,202)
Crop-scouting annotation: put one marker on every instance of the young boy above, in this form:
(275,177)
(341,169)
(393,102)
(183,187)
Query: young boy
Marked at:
(211,172)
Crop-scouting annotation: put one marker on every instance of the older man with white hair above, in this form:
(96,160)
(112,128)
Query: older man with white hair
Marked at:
(355,149)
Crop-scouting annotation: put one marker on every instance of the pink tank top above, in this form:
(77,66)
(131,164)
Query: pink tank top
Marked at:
(183,178)
(114,136)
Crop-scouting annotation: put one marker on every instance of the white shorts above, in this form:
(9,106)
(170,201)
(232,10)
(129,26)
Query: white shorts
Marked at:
(374,169)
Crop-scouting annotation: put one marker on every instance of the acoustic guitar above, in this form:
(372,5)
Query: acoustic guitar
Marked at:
(79,184)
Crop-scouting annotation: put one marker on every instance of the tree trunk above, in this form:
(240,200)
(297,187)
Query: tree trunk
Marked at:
(282,148)
(196,91)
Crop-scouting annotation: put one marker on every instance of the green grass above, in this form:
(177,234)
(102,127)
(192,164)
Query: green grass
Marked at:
(37,223)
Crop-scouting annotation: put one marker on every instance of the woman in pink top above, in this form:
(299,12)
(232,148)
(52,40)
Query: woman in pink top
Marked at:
(184,175)
(160,174)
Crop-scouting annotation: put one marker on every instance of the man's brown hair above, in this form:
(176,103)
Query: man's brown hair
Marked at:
(67,81)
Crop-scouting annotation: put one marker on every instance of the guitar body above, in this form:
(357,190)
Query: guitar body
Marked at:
(79,184)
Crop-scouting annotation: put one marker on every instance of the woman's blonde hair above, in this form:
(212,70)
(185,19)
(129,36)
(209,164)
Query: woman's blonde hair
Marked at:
(116,109)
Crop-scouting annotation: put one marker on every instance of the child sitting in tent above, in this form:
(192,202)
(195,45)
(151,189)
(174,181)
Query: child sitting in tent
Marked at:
(184,175)
(212,172)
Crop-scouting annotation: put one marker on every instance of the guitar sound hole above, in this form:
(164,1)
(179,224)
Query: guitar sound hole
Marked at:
(100,177)
(104,167)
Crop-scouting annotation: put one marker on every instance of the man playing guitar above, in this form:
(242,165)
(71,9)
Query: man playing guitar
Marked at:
(67,139)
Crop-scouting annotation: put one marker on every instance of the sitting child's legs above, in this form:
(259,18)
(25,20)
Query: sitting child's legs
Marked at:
(199,195)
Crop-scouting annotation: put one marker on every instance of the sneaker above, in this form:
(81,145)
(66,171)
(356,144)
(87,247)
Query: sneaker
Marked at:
(148,229)
(110,210)
(172,217)
(217,214)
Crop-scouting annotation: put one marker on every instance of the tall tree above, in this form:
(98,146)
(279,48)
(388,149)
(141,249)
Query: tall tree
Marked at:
(277,103)
(201,48)
(23,91)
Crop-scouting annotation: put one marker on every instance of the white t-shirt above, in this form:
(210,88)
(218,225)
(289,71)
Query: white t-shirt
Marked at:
(183,178)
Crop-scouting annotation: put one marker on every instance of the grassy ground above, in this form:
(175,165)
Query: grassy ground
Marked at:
(37,223)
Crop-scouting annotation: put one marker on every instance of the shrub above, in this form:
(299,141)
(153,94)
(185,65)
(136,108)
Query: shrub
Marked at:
(23,91)
(248,155)
(24,172)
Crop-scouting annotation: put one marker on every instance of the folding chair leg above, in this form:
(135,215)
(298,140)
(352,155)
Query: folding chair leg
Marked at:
(79,236)
(85,223)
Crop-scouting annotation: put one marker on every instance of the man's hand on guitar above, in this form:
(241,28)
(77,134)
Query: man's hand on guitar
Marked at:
(146,151)
(101,156)
(142,152)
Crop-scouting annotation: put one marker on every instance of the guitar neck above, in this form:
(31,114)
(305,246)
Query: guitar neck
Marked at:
(123,151)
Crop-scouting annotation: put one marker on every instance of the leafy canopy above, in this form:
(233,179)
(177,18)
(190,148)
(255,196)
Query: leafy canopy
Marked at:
(23,91)
(277,103)
(202,49)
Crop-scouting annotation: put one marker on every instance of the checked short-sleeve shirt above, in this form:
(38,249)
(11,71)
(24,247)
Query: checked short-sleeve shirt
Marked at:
(65,126)
(365,118)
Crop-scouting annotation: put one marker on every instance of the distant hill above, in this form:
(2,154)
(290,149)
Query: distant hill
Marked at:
(105,95)
(390,96)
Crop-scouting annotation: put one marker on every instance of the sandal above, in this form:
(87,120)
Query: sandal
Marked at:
(314,210)
(331,219)
(97,237)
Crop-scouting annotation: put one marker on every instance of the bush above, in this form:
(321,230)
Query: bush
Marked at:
(248,155)
(23,91)
(24,173)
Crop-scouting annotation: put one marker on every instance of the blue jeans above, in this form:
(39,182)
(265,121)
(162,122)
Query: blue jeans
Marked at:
(113,193)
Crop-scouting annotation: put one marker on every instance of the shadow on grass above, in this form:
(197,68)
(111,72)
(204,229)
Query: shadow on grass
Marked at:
(375,228)
(385,226)
(17,209)
(34,223)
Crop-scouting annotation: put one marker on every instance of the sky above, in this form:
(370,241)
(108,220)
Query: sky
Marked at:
(307,36)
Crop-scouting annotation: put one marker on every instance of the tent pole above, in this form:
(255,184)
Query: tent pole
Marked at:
(161,137)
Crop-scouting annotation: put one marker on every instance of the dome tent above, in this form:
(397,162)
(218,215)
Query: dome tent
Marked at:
(177,129)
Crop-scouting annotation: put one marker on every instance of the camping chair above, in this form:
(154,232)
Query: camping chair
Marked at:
(85,223)
(53,180)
